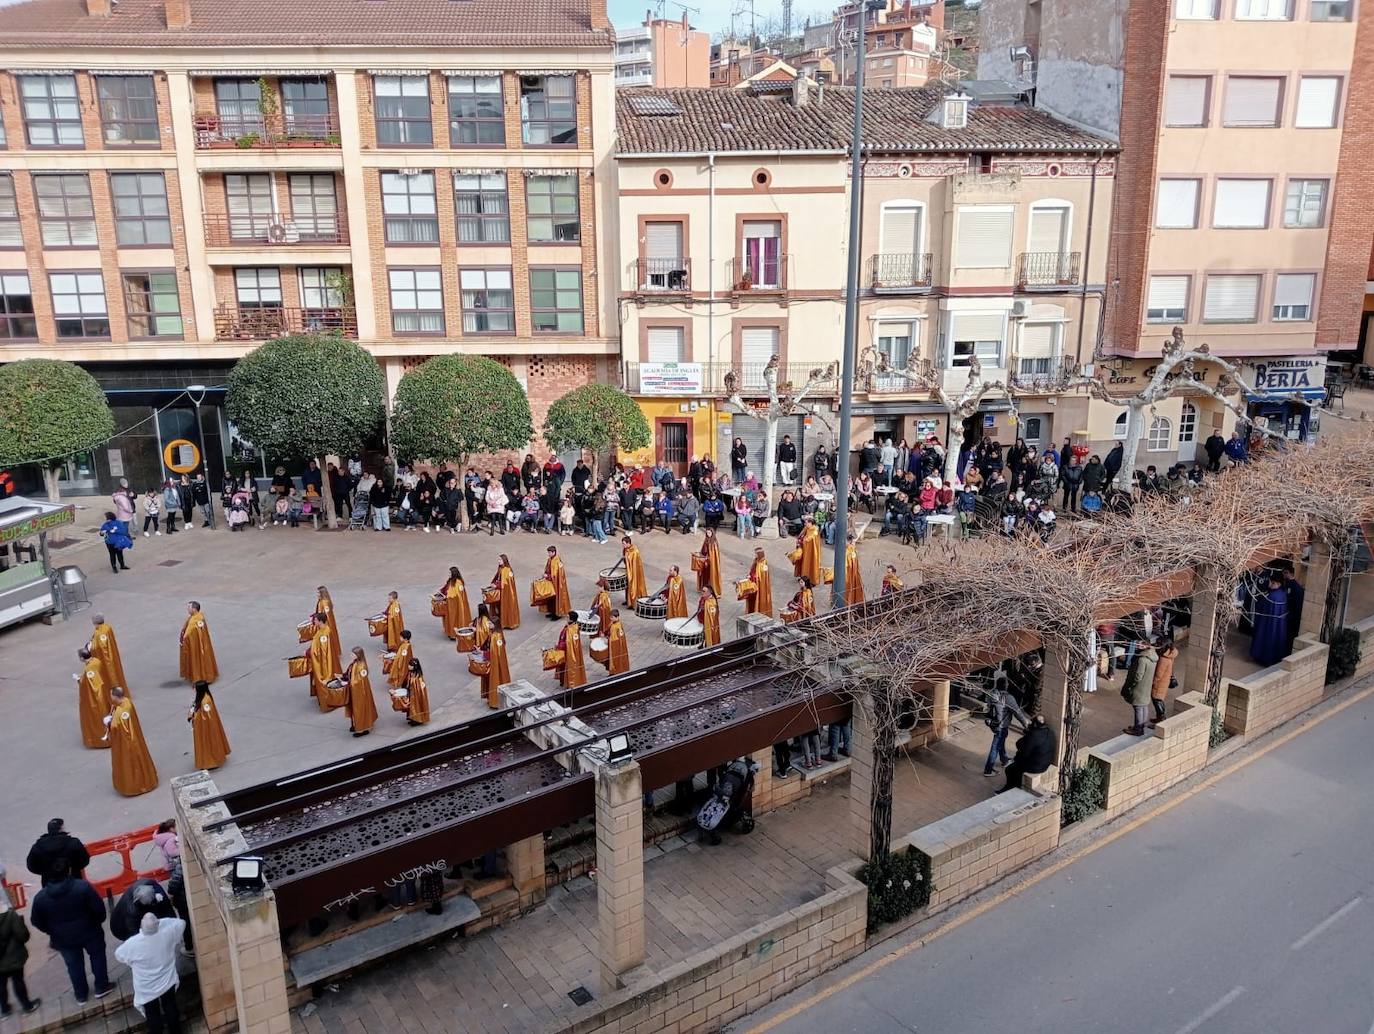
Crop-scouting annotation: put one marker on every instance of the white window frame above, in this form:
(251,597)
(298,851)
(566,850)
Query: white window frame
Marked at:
(1285,8)
(1159,203)
(1058,204)
(963,210)
(883,246)
(1056,326)
(1264,213)
(1303,199)
(1186,10)
(953,361)
(1160,436)
(1279,100)
(1121,425)
(1165,316)
(1205,117)
(1288,308)
(1259,295)
(1187,424)
(1335,116)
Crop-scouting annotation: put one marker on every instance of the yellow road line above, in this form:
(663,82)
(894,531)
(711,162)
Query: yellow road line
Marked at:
(1029,881)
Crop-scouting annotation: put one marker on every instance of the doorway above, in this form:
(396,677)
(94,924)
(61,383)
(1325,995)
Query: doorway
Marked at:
(674,443)
(1187,433)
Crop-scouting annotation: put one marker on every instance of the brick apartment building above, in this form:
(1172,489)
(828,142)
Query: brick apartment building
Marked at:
(182,179)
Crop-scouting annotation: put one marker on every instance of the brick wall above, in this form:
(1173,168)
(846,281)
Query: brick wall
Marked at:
(1271,696)
(739,975)
(1366,662)
(1134,768)
(978,846)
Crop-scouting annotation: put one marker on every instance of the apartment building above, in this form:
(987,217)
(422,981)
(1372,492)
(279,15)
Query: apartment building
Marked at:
(984,233)
(182,179)
(901,40)
(662,52)
(1244,204)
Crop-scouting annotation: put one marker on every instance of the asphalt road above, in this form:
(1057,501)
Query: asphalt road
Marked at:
(1247,908)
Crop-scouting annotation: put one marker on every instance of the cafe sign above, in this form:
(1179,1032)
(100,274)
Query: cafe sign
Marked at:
(670,378)
(22,529)
(1136,373)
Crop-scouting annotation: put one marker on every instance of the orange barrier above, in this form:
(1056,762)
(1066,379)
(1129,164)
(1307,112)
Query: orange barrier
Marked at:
(123,845)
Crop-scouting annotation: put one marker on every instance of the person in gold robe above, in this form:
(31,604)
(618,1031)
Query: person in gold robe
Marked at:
(457,613)
(803,604)
(498,674)
(323,655)
(105,648)
(484,626)
(635,585)
(761,602)
(560,603)
(324,604)
(891,582)
(601,604)
(708,614)
(675,593)
(207,731)
(197,652)
(853,577)
(394,621)
(417,696)
(710,575)
(573,671)
(619,658)
(361,708)
(507,614)
(808,564)
(131,766)
(92,700)
(400,664)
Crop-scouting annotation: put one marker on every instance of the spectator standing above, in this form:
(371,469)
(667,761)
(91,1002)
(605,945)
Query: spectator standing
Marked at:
(1138,687)
(1112,464)
(1071,478)
(379,496)
(887,456)
(14,952)
(171,503)
(1215,448)
(1163,680)
(71,913)
(1002,709)
(555,474)
(123,502)
(152,510)
(787,460)
(200,495)
(338,491)
(117,540)
(56,845)
(151,955)
(739,459)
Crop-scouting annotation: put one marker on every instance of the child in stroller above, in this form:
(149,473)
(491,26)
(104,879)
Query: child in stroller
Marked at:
(238,510)
(731,801)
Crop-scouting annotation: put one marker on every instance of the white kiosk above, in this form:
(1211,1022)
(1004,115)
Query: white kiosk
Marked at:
(27,589)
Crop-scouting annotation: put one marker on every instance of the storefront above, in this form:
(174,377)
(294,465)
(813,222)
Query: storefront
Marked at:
(1285,391)
(681,420)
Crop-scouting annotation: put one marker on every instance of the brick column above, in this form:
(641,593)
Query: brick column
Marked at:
(207,923)
(255,958)
(620,871)
(763,780)
(1054,698)
(1198,648)
(1314,586)
(525,859)
(861,782)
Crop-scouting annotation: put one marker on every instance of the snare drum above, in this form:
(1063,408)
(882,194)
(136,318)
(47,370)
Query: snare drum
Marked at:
(652,607)
(553,659)
(438,605)
(789,615)
(588,620)
(827,576)
(744,589)
(305,631)
(479,662)
(376,625)
(541,591)
(794,555)
(467,639)
(600,650)
(298,667)
(699,563)
(491,595)
(387,658)
(683,632)
(616,579)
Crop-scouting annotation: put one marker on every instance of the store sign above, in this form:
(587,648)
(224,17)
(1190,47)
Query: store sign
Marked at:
(1287,376)
(38,522)
(670,378)
(1136,373)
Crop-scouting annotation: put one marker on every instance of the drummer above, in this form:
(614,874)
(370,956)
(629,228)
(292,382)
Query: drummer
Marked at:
(573,671)
(560,602)
(322,654)
(416,696)
(324,604)
(360,708)
(708,616)
(498,667)
(808,552)
(394,621)
(484,626)
(803,604)
(675,593)
(507,612)
(601,605)
(619,658)
(853,576)
(400,664)
(708,569)
(635,585)
(761,600)
(891,582)
(454,597)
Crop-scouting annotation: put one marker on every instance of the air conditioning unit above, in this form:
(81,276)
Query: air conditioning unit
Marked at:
(1020,308)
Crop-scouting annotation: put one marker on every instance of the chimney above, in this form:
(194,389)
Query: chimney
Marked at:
(801,91)
(98,8)
(597,10)
(178,14)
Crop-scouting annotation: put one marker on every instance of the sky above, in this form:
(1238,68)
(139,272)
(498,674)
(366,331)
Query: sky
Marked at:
(709,15)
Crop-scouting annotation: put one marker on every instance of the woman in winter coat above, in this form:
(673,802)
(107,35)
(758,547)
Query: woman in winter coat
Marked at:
(1164,674)
(14,938)
(1094,475)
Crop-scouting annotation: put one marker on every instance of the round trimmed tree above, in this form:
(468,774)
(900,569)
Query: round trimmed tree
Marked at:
(598,417)
(454,406)
(306,396)
(50,409)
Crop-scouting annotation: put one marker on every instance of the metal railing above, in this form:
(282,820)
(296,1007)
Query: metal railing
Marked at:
(275,130)
(711,378)
(901,272)
(252,231)
(1046,375)
(663,276)
(1047,269)
(762,277)
(233,323)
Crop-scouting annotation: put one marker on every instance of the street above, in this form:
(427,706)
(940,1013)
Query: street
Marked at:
(1247,907)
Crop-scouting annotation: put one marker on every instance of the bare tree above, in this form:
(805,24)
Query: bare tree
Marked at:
(784,400)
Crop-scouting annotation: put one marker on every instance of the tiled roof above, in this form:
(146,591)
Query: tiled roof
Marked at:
(307,23)
(724,120)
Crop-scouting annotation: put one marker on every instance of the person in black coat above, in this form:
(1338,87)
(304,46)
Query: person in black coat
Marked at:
(1094,474)
(581,478)
(1112,464)
(71,913)
(510,481)
(1215,447)
(54,846)
(1035,752)
(200,492)
(144,896)
(739,460)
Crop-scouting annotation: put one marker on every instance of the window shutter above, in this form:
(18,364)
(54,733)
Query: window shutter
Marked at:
(1252,101)
(762,229)
(663,241)
(901,233)
(984,239)
(758,345)
(665,345)
(1047,230)
(1242,203)
(1185,103)
(1168,292)
(1293,289)
(1037,340)
(978,326)
(1176,207)
(1317,96)
(1231,298)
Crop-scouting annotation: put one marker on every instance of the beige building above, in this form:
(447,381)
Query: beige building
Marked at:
(662,52)
(984,234)
(177,185)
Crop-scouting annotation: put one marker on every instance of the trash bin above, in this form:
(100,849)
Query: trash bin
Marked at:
(71,584)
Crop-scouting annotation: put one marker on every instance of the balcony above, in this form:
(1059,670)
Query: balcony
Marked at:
(711,378)
(259,231)
(1047,270)
(260,324)
(247,132)
(663,276)
(761,277)
(898,273)
(1046,376)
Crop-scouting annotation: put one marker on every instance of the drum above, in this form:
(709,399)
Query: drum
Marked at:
(683,632)
(794,555)
(827,575)
(600,650)
(467,639)
(652,607)
(744,589)
(387,658)
(298,667)
(438,604)
(699,563)
(789,615)
(553,659)
(376,625)
(479,662)
(491,595)
(541,591)
(588,620)
(616,579)
(400,699)
(305,631)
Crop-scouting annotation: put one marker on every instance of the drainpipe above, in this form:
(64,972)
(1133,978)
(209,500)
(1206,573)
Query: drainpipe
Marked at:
(711,261)
(1087,262)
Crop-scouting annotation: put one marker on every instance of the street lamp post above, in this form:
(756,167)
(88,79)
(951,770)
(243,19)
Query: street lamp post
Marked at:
(197,395)
(851,308)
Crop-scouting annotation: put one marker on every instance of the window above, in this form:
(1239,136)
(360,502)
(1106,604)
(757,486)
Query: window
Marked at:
(488,301)
(1293,296)
(128,109)
(1241,204)
(666,345)
(252,208)
(321,288)
(417,301)
(1187,424)
(548,110)
(662,267)
(556,300)
(476,113)
(153,305)
(238,103)
(17,321)
(305,105)
(1120,426)
(314,206)
(66,217)
(762,246)
(1036,346)
(52,112)
(977,334)
(1264,10)
(1195,9)
(483,208)
(1048,233)
(257,288)
(140,208)
(408,208)
(1160,433)
(1176,204)
(1331,10)
(1168,299)
(1231,298)
(402,113)
(1319,98)
(983,237)
(552,204)
(894,340)
(1304,203)
(900,229)
(1185,100)
(78,304)
(1252,100)
(10,234)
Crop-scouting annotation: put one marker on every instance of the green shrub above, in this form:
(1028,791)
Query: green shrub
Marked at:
(1084,796)
(1344,655)
(1218,734)
(898,885)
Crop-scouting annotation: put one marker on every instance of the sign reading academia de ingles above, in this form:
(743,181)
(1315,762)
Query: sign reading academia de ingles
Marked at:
(38,522)
(670,378)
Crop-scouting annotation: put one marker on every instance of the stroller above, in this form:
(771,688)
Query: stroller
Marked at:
(238,510)
(357,517)
(731,801)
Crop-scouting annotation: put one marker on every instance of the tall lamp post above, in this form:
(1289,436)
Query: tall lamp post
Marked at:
(851,307)
(197,395)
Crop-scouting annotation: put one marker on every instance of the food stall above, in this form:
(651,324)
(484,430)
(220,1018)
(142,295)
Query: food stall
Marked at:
(26,583)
